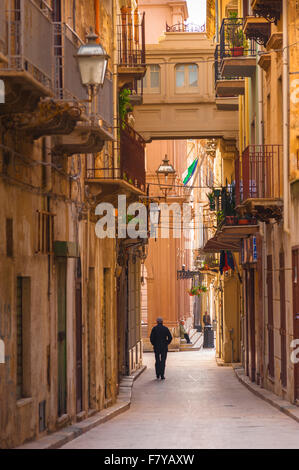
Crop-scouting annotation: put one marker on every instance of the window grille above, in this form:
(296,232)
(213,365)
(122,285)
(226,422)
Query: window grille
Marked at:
(45,231)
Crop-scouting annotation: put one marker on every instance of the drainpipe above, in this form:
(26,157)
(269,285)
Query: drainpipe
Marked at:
(262,224)
(285,84)
(115,90)
(97,18)
(260,103)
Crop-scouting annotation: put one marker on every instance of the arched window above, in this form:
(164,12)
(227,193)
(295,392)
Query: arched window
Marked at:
(186,78)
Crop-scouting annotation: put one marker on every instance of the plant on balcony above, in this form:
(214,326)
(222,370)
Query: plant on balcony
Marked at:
(234,36)
(220,218)
(124,105)
(197,290)
(211,197)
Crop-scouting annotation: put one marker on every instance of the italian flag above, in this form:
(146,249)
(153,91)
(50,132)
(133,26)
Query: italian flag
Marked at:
(187,175)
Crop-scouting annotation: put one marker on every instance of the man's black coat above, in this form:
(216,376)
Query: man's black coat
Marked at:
(160,337)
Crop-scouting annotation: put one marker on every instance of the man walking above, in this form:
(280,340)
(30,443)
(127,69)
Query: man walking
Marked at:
(160,339)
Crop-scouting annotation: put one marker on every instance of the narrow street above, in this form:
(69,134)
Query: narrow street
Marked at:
(199,405)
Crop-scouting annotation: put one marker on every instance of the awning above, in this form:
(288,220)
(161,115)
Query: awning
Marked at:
(229,238)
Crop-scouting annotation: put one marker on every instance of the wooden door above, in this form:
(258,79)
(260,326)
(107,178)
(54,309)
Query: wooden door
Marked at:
(270,324)
(283,338)
(107,332)
(295,266)
(62,357)
(247,346)
(251,314)
(78,308)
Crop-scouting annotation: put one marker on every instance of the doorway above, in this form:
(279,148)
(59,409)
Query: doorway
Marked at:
(79,361)
(61,332)
(270,317)
(295,272)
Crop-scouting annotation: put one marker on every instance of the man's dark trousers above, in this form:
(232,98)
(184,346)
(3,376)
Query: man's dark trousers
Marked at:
(160,338)
(160,362)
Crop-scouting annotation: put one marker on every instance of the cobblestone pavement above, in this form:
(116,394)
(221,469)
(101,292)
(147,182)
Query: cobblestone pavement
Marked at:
(199,405)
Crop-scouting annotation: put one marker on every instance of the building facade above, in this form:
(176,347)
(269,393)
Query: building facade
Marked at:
(60,325)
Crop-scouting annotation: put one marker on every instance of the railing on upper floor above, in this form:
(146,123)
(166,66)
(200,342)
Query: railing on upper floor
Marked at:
(29,39)
(131,40)
(185,28)
(233,42)
(131,166)
(269,9)
(67,79)
(261,173)
(217,67)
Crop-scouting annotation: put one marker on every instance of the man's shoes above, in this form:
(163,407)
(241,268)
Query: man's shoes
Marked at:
(158,376)
(162,377)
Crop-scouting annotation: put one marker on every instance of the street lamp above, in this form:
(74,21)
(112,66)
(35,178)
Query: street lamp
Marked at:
(166,176)
(92,61)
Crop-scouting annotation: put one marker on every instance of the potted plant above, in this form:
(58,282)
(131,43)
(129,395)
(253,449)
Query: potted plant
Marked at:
(197,290)
(124,105)
(211,197)
(234,36)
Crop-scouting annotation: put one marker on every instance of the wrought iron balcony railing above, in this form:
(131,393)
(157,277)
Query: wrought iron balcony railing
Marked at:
(269,9)
(217,68)
(132,156)
(233,42)
(185,28)
(67,80)
(131,40)
(261,173)
(131,164)
(29,28)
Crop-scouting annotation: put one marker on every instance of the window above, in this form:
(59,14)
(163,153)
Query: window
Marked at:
(151,81)
(23,337)
(186,76)
(45,231)
(9,238)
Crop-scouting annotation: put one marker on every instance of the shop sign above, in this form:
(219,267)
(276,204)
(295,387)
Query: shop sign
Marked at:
(249,250)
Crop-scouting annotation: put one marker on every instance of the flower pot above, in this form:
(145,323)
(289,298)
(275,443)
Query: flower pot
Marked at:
(237,51)
(243,222)
(229,220)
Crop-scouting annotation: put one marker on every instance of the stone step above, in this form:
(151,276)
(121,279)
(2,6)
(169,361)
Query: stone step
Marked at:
(197,342)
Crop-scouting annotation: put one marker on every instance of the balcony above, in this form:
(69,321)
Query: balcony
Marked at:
(257,29)
(237,54)
(105,179)
(136,97)
(231,227)
(27,68)
(227,88)
(94,126)
(259,188)
(131,48)
(185,28)
(268,9)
